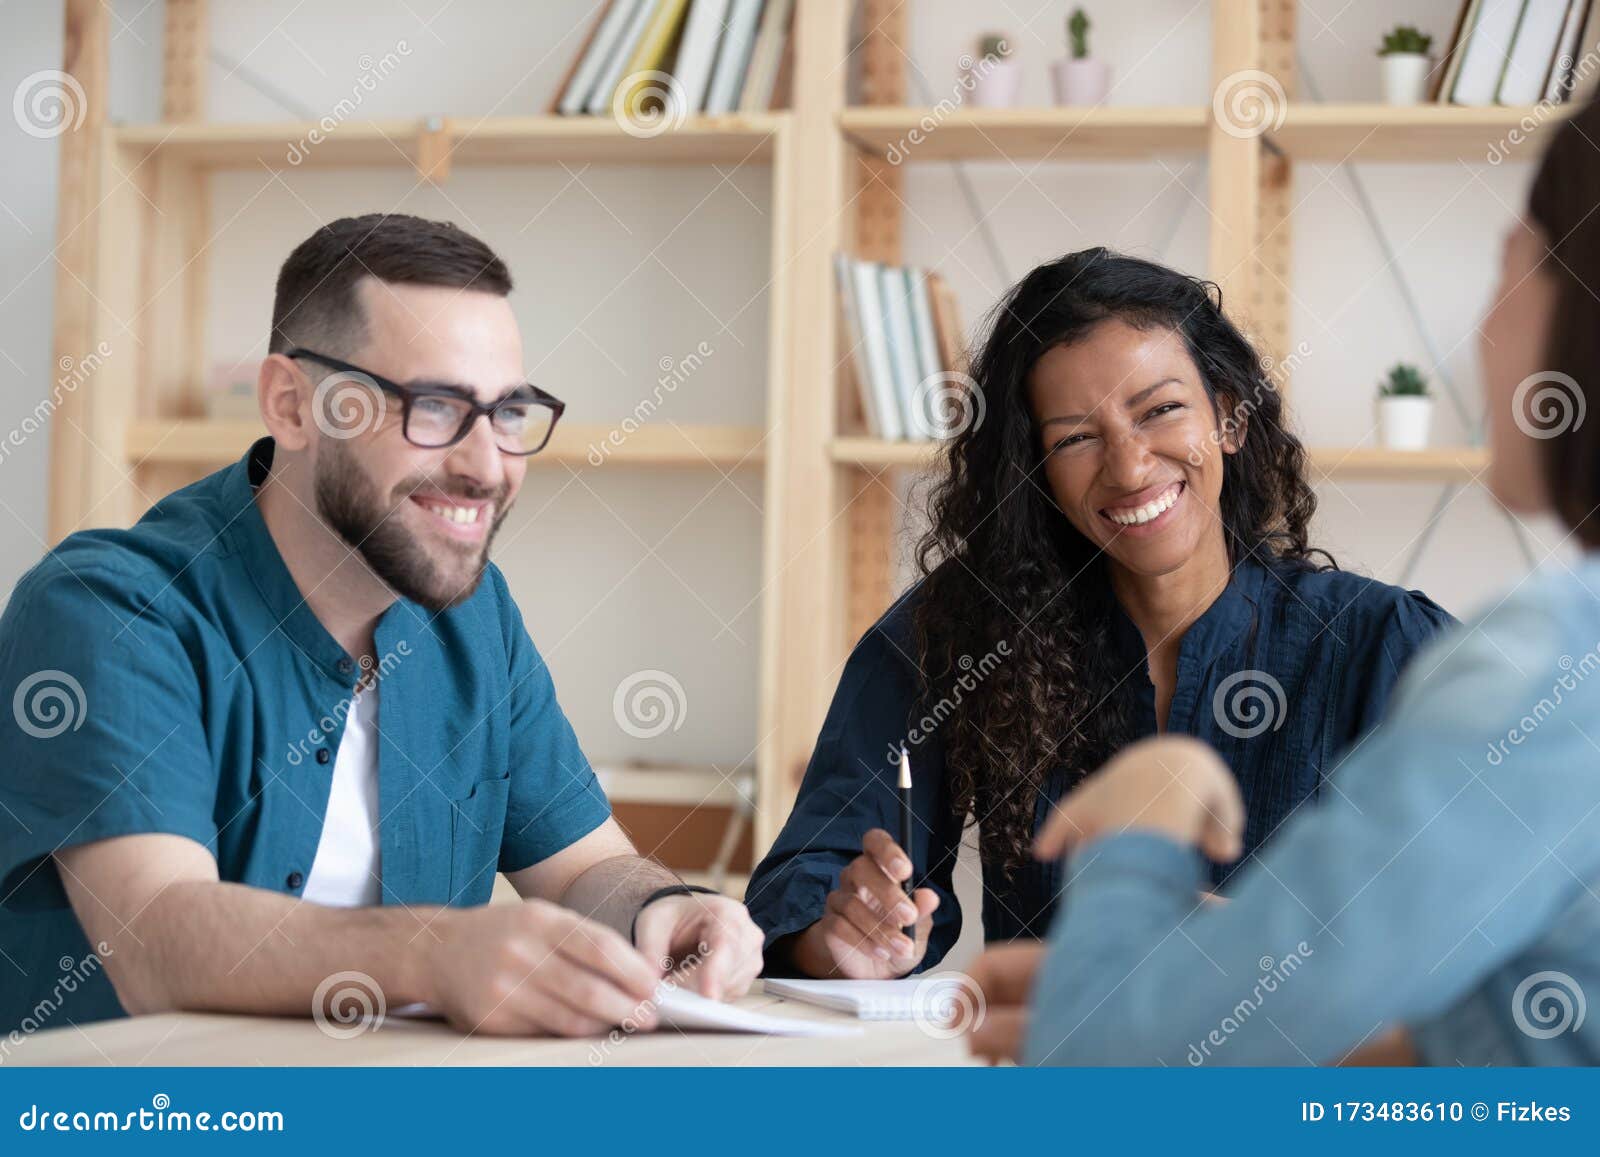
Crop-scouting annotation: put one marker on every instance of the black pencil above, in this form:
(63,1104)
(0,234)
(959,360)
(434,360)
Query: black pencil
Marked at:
(905,833)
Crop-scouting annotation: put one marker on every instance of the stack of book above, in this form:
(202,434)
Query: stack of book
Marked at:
(905,348)
(722,56)
(1521,52)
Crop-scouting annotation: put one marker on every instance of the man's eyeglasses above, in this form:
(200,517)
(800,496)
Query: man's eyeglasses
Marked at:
(433,417)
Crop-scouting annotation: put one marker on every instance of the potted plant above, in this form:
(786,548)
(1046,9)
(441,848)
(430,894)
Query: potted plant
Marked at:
(1406,65)
(1080,78)
(996,78)
(1405,409)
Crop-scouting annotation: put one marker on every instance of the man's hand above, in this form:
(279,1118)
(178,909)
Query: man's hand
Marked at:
(860,935)
(534,968)
(1003,977)
(1177,787)
(710,939)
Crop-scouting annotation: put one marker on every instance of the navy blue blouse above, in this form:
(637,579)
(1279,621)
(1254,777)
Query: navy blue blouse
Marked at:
(1285,670)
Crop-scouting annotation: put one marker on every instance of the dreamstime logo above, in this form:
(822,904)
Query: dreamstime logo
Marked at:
(1235,423)
(1274,973)
(73,974)
(48,103)
(372,71)
(962,685)
(1556,405)
(348,1004)
(946,404)
(649,703)
(346,405)
(1249,102)
(1573,673)
(1582,71)
(1247,703)
(647,104)
(372,673)
(970,73)
(47,703)
(947,1004)
(681,971)
(674,372)
(1548,1004)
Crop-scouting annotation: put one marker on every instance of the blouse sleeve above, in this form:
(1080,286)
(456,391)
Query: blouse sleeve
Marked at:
(850,788)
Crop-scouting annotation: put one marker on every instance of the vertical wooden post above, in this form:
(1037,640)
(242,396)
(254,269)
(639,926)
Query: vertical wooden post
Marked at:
(1270,306)
(77,236)
(183,79)
(1240,94)
(874,507)
(804,509)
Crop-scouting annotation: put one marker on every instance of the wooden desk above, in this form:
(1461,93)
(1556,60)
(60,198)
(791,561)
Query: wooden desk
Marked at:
(209,1039)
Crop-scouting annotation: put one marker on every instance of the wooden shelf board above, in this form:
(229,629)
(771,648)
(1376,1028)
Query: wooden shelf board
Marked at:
(200,442)
(1066,134)
(469,141)
(1443,463)
(1427,132)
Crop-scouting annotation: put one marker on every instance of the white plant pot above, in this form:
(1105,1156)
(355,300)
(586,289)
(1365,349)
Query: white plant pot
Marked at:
(1403,422)
(1405,77)
(1079,82)
(997,85)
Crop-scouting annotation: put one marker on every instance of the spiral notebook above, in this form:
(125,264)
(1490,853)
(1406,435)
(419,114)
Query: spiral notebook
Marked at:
(911,998)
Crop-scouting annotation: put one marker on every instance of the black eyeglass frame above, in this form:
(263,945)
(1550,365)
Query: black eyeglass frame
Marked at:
(476,409)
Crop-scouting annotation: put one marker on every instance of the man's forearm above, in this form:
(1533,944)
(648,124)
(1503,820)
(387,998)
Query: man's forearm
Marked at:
(612,890)
(232,948)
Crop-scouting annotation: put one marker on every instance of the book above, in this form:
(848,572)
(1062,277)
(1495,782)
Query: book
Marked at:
(947,325)
(652,52)
(698,52)
(885,409)
(856,352)
(1586,70)
(1532,52)
(1483,60)
(902,350)
(732,56)
(1465,21)
(1558,84)
(924,416)
(762,77)
(575,85)
(605,85)
(909,998)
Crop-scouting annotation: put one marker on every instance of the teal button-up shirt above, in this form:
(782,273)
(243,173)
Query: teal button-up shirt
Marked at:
(171,679)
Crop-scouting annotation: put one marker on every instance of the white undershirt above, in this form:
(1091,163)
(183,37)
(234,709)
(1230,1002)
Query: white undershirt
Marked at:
(344,873)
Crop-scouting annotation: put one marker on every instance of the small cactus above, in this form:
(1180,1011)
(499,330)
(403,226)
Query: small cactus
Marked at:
(1078,33)
(1405,38)
(1404,381)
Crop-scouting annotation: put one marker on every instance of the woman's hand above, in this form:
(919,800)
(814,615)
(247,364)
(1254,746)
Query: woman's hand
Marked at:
(1003,977)
(1177,787)
(860,934)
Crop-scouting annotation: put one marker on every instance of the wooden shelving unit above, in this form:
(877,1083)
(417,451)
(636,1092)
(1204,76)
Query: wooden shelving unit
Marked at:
(134,231)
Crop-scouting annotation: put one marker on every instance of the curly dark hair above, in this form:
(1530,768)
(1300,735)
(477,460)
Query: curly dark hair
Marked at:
(1000,561)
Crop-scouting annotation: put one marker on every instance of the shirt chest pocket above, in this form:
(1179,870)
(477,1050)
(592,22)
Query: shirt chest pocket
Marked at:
(477,827)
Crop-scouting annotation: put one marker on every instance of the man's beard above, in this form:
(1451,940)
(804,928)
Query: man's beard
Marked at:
(349,503)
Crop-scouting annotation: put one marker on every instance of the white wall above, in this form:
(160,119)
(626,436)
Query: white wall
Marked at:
(600,303)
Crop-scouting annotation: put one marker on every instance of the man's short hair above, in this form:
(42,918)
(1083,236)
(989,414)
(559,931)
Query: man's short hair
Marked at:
(316,303)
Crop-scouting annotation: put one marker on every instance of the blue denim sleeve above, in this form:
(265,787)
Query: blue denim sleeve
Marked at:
(1446,852)
(849,789)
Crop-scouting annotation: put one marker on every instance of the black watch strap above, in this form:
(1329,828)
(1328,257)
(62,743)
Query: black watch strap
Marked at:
(662,894)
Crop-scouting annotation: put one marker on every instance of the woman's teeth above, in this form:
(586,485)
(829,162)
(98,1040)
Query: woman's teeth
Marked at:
(1150,510)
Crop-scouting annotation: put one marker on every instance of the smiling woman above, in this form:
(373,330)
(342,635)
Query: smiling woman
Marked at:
(1128,526)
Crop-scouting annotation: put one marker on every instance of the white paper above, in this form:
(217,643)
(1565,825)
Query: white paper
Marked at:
(680,1008)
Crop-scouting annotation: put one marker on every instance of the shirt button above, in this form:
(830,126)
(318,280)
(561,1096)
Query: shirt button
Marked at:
(346,666)
(323,755)
(295,880)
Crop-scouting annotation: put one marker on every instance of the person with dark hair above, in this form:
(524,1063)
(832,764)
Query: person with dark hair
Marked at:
(1442,908)
(271,745)
(1118,546)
